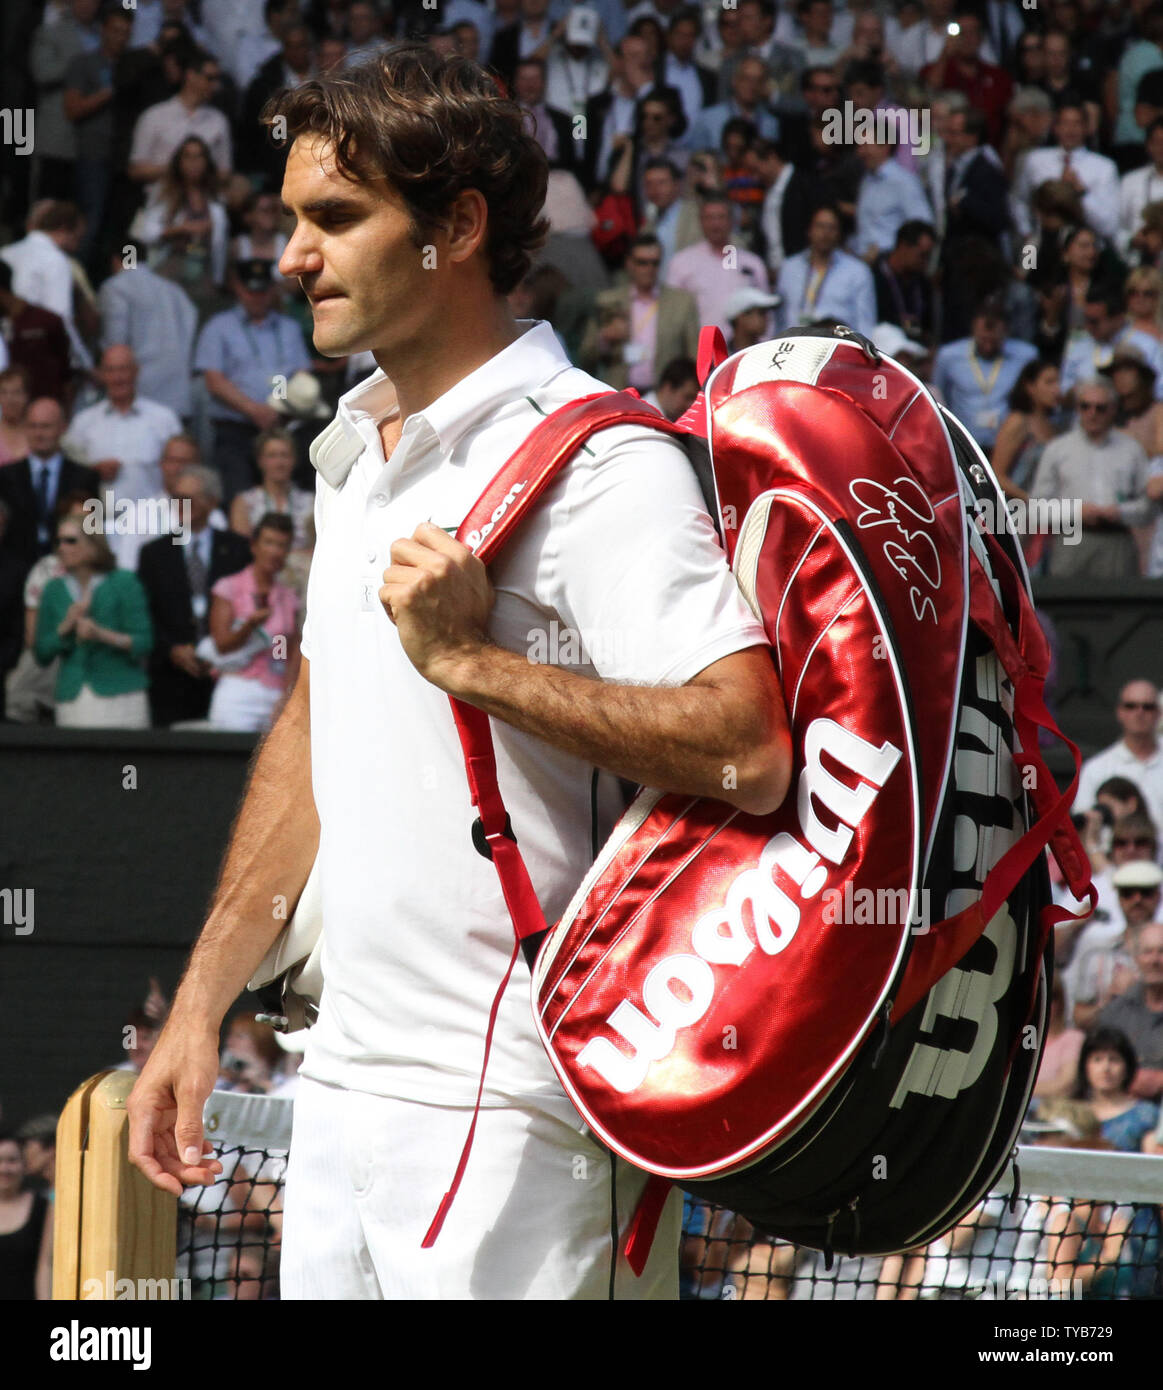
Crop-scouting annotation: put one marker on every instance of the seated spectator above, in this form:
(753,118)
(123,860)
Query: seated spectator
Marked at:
(179,580)
(1031,118)
(658,126)
(252,611)
(825,282)
(25,1230)
(709,270)
(1058,1071)
(975,375)
(264,239)
(677,388)
(251,1057)
(1106,331)
(1106,1070)
(1067,79)
(672,217)
(1027,429)
(1104,968)
(38,1138)
(15,395)
(96,619)
(186,227)
(275,454)
(740,181)
(1098,474)
(748,316)
(1144,295)
(1138,1012)
(815,38)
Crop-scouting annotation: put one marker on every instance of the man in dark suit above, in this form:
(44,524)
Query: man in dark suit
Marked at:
(178,579)
(552,129)
(976,189)
(295,60)
(904,290)
(32,486)
(529,36)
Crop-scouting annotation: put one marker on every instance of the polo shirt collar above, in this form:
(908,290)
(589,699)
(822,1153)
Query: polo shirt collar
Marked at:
(524,365)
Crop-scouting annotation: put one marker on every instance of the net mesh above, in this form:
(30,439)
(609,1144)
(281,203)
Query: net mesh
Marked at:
(1084,1225)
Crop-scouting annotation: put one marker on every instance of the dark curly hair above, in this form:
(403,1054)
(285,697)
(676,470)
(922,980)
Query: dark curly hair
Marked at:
(431,126)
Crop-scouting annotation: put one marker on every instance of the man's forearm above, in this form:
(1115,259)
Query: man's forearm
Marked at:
(674,738)
(272,848)
(220,386)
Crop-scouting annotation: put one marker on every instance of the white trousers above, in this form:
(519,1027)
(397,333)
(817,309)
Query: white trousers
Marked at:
(531,1219)
(242,704)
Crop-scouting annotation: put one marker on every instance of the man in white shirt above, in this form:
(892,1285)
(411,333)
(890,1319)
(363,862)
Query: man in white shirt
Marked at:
(1141,186)
(123,436)
(42,273)
(161,129)
(1136,755)
(1094,176)
(1107,332)
(363,767)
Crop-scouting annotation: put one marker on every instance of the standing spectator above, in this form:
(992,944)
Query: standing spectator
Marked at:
(748,314)
(528,37)
(889,196)
(89,105)
(1027,429)
(673,218)
(961,69)
(784,217)
(253,603)
(1068,78)
(32,486)
(1107,331)
(365,32)
(711,269)
(42,272)
(38,342)
(1103,968)
(161,129)
(929,41)
(1093,175)
(178,580)
(54,46)
(1058,1070)
(38,1138)
(276,495)
(15,394)
(694,85)
(95,618)
(552,129)
(825,282)
(1084,267)
(1141,56)
(1106,1071)
(123,436)
(1099,475)
(975,183)
(815,38)
(25,1230)
(904,291)
(241,352)
(749,86)
(1136,755)
(576,68)
(639,327)
(976,374)
(255,48)
(1143,185)
(292,65)
(157,320)
(614,112)
(1138,1012)
(185,225)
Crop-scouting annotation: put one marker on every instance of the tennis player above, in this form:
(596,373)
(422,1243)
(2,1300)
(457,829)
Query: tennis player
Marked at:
(609,640)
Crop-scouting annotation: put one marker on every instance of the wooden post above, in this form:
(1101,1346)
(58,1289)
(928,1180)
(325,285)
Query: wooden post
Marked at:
(111,1223)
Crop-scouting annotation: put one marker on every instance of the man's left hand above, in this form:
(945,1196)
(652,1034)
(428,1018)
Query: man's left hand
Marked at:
(439,596)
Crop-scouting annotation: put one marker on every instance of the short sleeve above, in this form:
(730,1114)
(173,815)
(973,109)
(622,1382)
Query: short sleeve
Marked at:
(208,353)
(641,576)
(224,588)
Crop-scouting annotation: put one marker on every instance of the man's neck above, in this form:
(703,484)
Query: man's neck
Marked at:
(422,370)
(894,263)
(189,101)
(820,260)
(1142,746)
(122,406)
(1153,996)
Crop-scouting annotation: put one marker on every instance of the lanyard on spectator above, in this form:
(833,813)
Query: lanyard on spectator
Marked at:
(248,330)
(815,284)
(986,386)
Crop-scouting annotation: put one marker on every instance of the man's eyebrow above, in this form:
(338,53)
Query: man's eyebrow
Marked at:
(324,205)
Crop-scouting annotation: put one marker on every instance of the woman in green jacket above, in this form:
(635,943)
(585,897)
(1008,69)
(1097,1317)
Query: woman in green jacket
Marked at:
(95,617)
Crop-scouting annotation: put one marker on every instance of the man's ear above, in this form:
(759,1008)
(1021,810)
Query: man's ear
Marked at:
(467,224)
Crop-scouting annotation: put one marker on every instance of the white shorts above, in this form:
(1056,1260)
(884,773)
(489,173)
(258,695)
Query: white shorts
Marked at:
(531,1219)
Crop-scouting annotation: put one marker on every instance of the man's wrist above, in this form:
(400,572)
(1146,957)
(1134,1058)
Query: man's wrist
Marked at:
(464,673)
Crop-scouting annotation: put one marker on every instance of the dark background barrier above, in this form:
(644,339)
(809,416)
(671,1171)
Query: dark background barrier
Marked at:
(120,836)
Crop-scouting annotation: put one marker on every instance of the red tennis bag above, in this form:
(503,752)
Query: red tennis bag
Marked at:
(828,1019)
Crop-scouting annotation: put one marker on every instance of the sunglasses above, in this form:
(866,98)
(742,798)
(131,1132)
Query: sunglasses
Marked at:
(1147,706)
(1094,405)
(1137,844)
(68,540)
(649,260)
(1138,892)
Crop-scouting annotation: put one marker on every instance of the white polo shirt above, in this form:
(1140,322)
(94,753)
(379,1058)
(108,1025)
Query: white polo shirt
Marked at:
(619,556)
(1119,761)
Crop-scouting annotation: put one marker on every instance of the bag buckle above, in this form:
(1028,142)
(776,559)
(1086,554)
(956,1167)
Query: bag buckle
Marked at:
(480,839)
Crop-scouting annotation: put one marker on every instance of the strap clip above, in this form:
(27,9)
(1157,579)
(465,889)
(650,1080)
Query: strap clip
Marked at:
(481,841)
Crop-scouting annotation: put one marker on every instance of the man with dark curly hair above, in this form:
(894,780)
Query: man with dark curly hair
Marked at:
(608,641)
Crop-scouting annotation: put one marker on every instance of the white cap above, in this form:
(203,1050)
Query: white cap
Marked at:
(1139,873)
(749,298)
(303,399)
(581,26)
(893,341)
